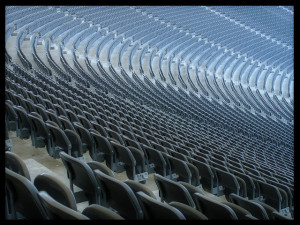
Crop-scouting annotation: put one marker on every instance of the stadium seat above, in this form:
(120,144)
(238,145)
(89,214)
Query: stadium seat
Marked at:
(16,164)
(98,212)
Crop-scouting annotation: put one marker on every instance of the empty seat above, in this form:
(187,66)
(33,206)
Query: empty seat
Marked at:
(156,210)
(22,198)
(102,167)
(76,145)
(56,189)
(40,134)
(11,117)
(119,196)
(81,175)
(240,212)
(57,210)
(84,121)
(65,123)
(189,212)
(213,209)
(24,128)
(279,216)
(16,164)
(136,187)
(98,212)
(87,140)
(253,207)
(172,191)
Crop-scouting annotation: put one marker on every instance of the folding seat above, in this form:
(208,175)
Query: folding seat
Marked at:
(49,104)
(89,116)
(39,132)
(99,128)
(271,195)
(81,175)
(76,144)
(156,161)
(143,140)
(72,116)
(87,140)
(22,198)
(199,157)
(56,189)
(178,155)
(20,101)
(230,184)
(68,106)
(58,140)
(57,210)
(137,131)
(16,164)
(102,167)
(53,117)
(119,197)
(113,127)
(182,151)
(189,212)
(114,136)
(127,134)
(172,191)
(98,212)
(65,123)
(166,144)
(156,210)
(136,187)
(241,213)
(133,161)
(213,209)
(11,117)
(24,128)
(84,121)
(249,170)
(30,106)
(208,177)
(253,207)
(279,216)
(40,109)
(159,147)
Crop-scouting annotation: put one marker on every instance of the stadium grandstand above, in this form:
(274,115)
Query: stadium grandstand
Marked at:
(149,112)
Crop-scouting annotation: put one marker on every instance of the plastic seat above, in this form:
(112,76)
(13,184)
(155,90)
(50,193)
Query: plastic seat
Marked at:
(87,140)
(56,189)
(102,167)
(132,160)
(65,123)
(156,210)
(40,109)
(279,216)
(58,140)
(53,117)
(253,207)
(98,212)
(240,212)
(213,209)
(136,187)
(72,116)
(22,198)
(119,196)
(11,117)
(99,128)
(84,121)
(75,140)
(16,164)
(189,212)
(58,211)
(81,175)
(172,191)
(60,110)
(40,134)
(24,128)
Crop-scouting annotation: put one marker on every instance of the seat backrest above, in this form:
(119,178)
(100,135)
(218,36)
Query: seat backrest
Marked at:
(65,122)
(213,209)
(136,187)
(119,196)
(172,191)
(23,196)
(227,180)
(57,210)
(102,167)
(154,209)
(279,216)
(56,189)
(16,164)
(254,208)
(82,176)
(98,212)
(189,212)
(271,194)
(239,211)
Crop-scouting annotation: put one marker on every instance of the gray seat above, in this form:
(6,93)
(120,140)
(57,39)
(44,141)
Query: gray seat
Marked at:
(24,128)
(40,134)
(213,209)
(87,140)
(16,164)
(98,212)
(102,167)
(253,207)
(58,211)
(11,117)
(240,212)
(76,145)
(119,196)
(56,189)
(279,216)
(156,210)
(172,191)
(136,187)
(189,212)
(22,198)
(81,175)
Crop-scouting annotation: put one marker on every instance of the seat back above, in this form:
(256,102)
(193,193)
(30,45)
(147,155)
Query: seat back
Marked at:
(57,210)
(271,194)
(154,209)
(213,209)
(156,161)
(24,127)
(172,191)
(65,123)
(23,197)
(87,140)
(81,175)
(98,212)
(102,167)
(254,208)
(189,212)
(136,187)
(76,149)
(56,189)
(228,181)
(40,134)
(16,164)
(119,196)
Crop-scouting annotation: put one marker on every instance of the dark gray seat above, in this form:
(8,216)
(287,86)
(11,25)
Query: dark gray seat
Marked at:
(22,198)
(87,140)
(172,191)
(279,216)
(98,212)
(156,210)
(66,123)
(58,211)
(189,212)
(16,164)
(76,149)
(119,196)
(11,117)
(24,128)
(213,209)
(102,167)
(56,189)
(136,187)
(40,134)
(81,175)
